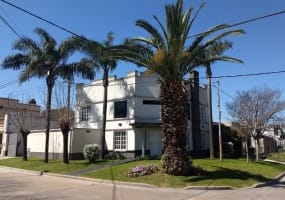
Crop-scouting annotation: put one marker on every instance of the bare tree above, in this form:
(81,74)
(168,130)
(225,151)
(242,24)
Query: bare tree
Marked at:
(23,121)
(63,113)
(254,108)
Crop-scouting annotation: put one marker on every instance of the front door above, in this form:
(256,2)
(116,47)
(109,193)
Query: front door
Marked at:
(155,142)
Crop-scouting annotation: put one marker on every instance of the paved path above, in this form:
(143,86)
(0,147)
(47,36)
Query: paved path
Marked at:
(101,166)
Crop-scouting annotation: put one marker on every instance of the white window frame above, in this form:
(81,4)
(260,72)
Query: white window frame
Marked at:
(85,113)
(120,140)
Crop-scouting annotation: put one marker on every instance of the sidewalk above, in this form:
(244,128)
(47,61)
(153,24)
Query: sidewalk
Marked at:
(273,161)
(5,157)
(113,163)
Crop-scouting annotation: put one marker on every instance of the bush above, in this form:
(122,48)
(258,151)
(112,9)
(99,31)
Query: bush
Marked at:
(148,157)
(142,170)
(91,152)
(115,156)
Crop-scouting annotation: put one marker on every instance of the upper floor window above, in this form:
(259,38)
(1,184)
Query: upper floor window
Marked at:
(120,109)
(85,113)
(203,116)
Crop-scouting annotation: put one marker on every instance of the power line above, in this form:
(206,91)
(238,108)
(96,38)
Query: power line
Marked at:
(8,84)
(10,27)
(40,18)
(251,74)
(243,22)
(195,35)
(225,93)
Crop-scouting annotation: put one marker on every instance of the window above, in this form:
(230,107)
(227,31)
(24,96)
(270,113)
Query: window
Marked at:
(120,140)
(85,113)
(203,116)
(151,102)
(120,109)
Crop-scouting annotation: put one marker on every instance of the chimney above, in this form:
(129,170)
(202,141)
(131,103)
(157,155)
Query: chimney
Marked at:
(32,102)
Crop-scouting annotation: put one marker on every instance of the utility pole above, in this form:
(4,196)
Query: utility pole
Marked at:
(220,116)
(68,99)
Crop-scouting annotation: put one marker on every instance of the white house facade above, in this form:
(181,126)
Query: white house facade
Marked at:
(133,124)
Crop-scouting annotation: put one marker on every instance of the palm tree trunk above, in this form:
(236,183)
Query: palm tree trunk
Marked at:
(210,117)
(65,128)
(104,116)
(174,102)
(48,108)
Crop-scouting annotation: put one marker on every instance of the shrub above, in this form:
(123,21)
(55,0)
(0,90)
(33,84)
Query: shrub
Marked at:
(91,152)
(148,157)
(115,156)
(142,170)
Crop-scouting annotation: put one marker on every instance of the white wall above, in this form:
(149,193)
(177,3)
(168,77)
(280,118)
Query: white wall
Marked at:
(78,138)
(81,137)
(36,141)
(134,88)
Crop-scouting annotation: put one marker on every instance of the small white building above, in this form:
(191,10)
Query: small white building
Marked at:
(273,140)
(13,116)
(133,124)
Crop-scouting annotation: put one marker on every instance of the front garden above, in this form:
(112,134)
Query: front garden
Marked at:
(235,173)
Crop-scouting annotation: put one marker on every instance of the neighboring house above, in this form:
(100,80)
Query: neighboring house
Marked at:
(273,140)
(10,137)
(133,124)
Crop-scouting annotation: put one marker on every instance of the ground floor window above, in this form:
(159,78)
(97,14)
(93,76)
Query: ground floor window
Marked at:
(120,140)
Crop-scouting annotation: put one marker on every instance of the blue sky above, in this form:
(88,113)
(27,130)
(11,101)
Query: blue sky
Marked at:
(261,48)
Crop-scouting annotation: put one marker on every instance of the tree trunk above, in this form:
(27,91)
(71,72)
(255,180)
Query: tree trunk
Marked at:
(210,118)
(174,103)
(49,81)
(247,150)
(65,128)
(257,149)
(104,116)
(25,134)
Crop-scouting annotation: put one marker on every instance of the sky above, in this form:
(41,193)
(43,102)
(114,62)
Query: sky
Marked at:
(261,48)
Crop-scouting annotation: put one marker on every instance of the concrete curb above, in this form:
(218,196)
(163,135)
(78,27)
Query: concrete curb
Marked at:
(22,170)
(208,188)
(102,180)
(274,180)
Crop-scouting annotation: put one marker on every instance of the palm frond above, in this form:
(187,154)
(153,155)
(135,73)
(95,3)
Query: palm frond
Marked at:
(157,39)
(15,62)
(47,41)
(70,45)
(26,44)
(223,35)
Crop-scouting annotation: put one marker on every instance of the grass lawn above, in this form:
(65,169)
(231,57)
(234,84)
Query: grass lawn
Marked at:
(231,172)
(53,166)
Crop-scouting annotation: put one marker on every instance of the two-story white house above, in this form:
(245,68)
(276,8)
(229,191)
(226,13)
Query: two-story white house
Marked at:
(133,124)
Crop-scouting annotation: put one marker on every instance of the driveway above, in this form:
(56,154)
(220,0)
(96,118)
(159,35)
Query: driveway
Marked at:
(23,185)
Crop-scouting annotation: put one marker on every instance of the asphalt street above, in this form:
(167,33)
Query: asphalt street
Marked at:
(23,185)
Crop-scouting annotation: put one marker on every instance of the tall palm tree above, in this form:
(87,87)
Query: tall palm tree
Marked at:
(103,60)
(214,51)
(167,54)
(44,59)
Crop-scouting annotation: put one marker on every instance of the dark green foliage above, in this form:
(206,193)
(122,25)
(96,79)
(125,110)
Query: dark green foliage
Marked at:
(232,142)
(91,152)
